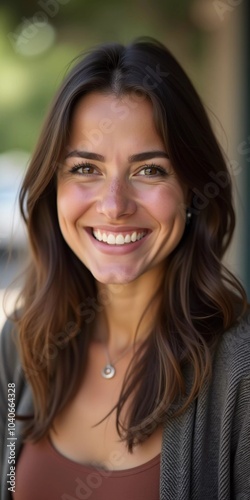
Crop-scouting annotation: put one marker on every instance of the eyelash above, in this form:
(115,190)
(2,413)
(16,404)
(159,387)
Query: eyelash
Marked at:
(75,169)
(161,171)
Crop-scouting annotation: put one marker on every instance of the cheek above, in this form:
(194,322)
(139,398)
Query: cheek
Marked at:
(167,204)
(72,202)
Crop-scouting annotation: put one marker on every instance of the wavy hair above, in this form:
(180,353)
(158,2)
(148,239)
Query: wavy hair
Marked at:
(200,297)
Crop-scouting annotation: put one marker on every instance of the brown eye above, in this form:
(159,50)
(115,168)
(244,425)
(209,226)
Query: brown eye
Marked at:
(86,170)
(152,171)
(83,169)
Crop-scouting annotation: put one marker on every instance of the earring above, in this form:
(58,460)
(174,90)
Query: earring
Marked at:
(188,216)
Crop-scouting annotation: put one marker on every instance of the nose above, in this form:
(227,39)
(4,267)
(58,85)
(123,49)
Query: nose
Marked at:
(116,201)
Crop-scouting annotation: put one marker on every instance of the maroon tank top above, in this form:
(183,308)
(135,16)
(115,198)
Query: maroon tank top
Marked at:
(42,473)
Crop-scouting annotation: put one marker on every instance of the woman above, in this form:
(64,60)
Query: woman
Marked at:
(131,353)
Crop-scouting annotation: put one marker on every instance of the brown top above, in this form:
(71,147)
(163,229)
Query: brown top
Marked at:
(43,473)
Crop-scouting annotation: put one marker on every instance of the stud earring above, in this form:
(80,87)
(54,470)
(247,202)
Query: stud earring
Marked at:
(188,216)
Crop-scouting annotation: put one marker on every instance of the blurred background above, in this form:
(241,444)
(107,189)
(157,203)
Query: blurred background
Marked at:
(38,39)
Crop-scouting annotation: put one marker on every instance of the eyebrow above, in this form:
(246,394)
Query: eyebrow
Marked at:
(132,159)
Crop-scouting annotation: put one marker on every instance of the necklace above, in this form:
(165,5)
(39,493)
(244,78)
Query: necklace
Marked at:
(109,370)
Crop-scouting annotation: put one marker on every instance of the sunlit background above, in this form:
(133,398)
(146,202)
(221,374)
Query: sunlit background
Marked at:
(39,39)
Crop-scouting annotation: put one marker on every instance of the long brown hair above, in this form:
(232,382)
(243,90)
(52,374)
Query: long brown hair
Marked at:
(200,298)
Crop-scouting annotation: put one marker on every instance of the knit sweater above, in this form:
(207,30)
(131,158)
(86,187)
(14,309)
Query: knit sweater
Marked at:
(205,451)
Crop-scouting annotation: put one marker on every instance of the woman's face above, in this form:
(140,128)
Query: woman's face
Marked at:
(121,208)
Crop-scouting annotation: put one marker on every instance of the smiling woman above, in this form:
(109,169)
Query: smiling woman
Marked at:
(112,203)
(131,353)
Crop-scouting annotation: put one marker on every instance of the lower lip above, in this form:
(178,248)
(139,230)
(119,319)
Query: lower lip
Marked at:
(117,249)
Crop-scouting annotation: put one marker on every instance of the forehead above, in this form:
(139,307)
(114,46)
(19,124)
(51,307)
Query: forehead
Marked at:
(96,103)
(100,120)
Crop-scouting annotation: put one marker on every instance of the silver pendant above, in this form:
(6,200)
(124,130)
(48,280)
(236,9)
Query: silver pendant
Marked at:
(108,371)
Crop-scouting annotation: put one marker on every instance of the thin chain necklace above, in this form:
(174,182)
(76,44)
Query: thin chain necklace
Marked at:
(109,370)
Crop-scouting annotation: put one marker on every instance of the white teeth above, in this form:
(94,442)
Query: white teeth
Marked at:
(127,238)
(111,239)
(119,240)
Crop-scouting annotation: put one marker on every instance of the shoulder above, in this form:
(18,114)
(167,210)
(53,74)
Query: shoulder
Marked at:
(232,355)
(9,340)
(11,370)
(9,354)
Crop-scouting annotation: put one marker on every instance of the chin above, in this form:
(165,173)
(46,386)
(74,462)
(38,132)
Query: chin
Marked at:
(113,277)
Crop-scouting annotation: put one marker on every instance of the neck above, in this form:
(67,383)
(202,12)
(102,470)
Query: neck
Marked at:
(128,312)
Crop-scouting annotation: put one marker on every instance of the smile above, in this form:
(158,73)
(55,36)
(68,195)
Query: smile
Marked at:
(119,239)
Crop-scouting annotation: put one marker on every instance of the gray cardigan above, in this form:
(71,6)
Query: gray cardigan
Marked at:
(205,452)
